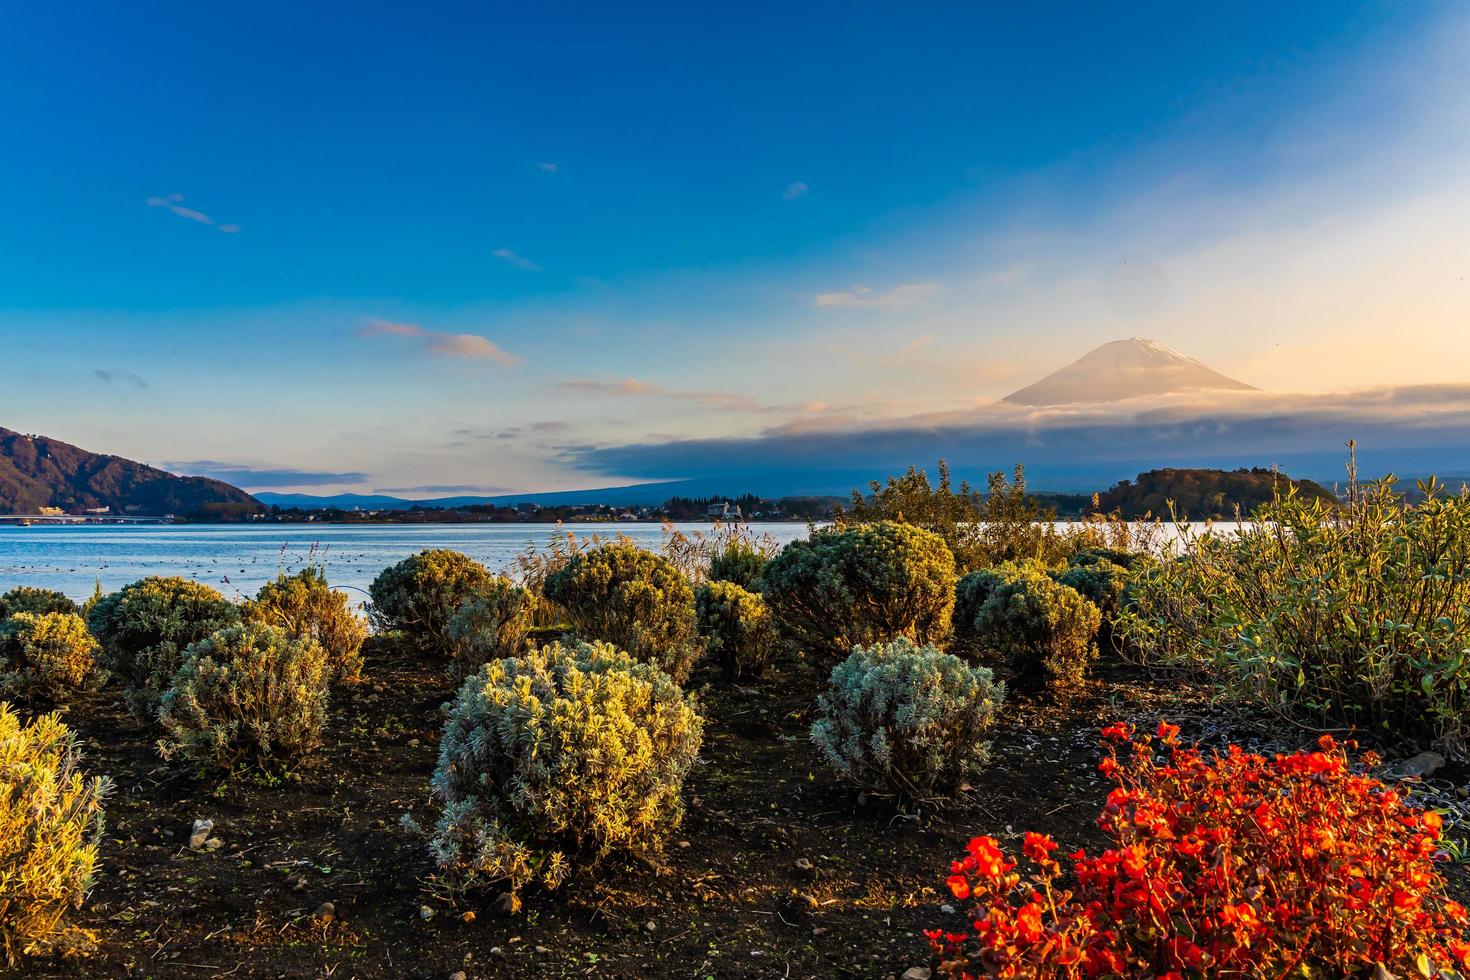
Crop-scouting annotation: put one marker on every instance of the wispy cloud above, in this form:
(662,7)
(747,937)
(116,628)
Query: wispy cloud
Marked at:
(634,387)
(510,258)
(175,204)
(256,477)
(795,190)
(549,168)
(464,346)
(447,488)
(114,376)
(866,298)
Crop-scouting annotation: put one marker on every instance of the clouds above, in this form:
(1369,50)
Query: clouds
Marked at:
(120,378)
(446,488)
(634,387)
(175,204)
(253,478)
(795,191)
(461,346)
(515,261)
(888,300)
(547,168)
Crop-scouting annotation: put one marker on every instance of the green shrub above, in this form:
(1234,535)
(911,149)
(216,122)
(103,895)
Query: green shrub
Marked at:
(633,599)
(740,562)
(1044,630)
(1353,616)
(491,624)
(861,585)
(564,754)
(48,656)
(972,591)
(28,599)
(50,828)
(306,607)
(249,693)
(143,629)
(736,627)
(417,596)
(1128,560)
(1101,583)
(907,720)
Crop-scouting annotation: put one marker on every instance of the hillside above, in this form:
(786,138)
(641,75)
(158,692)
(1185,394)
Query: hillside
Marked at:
(1124,369)
(1201,494)
(37,472)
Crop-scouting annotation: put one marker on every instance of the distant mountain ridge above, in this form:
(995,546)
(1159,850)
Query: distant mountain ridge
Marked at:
(1124,369)
(37,471)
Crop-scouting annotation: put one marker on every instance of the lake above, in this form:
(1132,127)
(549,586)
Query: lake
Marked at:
(238,558)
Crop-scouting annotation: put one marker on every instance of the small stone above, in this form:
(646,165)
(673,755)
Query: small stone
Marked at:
(414,743)
(213,844)
(1423,764)
(542,950)
(683,843)
(425,913)
(947,909)
(378,689)
(757,953)
(458,975)
(200,833)
(496,951)
(804,864)
(468,915)
(505,904)
(325,912)
(917,973)
(298,882)
(651,926)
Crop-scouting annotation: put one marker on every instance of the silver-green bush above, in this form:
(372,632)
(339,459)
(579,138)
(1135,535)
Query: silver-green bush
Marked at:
(50,827)
(143,629)
(490,624)
(1101,583)
(568,753)
(47,656)
(861,585)
(1044,630)
(736,627)
(633,599)
(906,720)
(305,606)
(417,596)
(28,599)
(247,694)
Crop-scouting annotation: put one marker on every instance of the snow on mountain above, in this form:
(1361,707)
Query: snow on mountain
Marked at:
(1124,369)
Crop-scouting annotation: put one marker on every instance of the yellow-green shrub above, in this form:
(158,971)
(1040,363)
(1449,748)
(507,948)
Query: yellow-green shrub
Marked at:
(633,599)
(28,599)
(305,606)
(1044,630)
(491,623)
(50,826)
(49,656)
(568,753)
(417,596)
(741,561)
(143,629)
(736,627)
(249,693)
(906,720)
(861,585)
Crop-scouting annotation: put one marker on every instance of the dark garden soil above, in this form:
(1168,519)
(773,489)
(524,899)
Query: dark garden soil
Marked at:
(777,871)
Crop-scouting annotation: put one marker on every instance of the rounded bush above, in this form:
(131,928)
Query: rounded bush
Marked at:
(741,563)
(143,629)
(1101,583)
(306,607)
(490,624)
(1044,630)
(736,627)
(568,753)
(862,585)
(1126,559)
(970,593)
(49,656)
(904,719)
(28,599)
(50,828)
(417,596)
(635,600)
(249,693)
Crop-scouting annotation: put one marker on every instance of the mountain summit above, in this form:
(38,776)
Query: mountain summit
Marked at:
(1123,369)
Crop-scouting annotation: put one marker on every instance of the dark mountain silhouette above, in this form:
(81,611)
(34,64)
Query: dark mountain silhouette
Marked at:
(36,472)
(1201,494)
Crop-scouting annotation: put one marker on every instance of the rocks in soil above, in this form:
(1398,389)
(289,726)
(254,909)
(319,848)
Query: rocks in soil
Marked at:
(505,904)
(947,909)
(916,973)
(199,836)
(1423,764)
(325,913)
(425,913)
(458,975)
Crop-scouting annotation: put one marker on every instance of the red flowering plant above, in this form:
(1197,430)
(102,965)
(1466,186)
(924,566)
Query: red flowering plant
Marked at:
(1221,865)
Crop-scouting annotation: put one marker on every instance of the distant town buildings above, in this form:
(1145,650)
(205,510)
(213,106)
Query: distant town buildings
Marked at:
(722,511)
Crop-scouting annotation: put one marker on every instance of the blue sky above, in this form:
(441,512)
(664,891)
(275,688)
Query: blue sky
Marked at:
(381,247)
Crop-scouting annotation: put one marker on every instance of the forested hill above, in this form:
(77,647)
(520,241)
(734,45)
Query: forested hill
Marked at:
(37,472)
(1201,494)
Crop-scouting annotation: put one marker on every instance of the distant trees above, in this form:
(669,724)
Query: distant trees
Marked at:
(1200,494)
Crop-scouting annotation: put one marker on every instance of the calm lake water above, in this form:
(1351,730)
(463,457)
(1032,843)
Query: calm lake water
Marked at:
(238,558)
